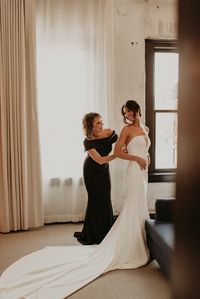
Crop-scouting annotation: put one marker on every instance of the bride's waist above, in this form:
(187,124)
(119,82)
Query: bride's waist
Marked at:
(142,155)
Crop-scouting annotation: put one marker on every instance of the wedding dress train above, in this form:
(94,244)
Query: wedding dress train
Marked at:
(55,272)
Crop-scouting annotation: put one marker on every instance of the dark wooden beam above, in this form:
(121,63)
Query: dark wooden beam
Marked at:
(186,259)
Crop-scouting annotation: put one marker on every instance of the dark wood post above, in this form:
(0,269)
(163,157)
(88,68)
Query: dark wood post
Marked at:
(186,259)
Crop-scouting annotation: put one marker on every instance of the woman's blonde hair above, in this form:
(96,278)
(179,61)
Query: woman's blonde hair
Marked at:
(88,121)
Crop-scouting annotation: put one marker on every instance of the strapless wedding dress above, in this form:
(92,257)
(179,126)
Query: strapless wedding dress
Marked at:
(55,272)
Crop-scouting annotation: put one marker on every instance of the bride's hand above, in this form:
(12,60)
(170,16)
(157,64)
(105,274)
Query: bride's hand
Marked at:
(142,162)
(125,150)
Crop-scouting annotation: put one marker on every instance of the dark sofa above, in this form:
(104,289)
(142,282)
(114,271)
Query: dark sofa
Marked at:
(160,233)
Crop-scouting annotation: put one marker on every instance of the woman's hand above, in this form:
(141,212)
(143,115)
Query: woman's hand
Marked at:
(124,149)
(142,162)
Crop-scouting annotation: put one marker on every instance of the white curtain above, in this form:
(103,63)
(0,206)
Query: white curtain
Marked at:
(74,67)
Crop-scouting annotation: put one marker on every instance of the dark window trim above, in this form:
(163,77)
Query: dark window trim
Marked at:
(162,177)
(152,45)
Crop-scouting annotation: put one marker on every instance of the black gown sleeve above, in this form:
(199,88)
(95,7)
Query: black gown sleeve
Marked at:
(88,144)
(100,144)
(113,137)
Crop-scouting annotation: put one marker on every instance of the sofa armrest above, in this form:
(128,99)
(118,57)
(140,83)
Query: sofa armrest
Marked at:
(164,209)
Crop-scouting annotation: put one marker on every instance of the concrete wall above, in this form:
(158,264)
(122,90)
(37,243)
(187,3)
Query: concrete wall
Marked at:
(135,20)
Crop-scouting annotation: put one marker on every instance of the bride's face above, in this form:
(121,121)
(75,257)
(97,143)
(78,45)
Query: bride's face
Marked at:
(128,114)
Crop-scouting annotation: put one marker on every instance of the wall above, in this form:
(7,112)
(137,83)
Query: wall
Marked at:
(133,22)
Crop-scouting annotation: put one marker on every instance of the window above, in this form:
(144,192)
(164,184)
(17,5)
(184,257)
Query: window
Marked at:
(161,107)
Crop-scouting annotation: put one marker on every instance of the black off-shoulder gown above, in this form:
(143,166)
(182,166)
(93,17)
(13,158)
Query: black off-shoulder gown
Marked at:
(99,212)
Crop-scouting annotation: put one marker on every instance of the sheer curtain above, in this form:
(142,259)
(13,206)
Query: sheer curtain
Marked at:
(74,67)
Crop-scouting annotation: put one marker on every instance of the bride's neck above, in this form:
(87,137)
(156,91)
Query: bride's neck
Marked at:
(136,124)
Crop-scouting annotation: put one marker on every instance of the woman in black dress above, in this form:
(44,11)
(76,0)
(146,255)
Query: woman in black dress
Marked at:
(99,212)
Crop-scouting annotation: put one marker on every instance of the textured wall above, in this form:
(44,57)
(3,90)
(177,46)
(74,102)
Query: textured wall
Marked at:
(133,22)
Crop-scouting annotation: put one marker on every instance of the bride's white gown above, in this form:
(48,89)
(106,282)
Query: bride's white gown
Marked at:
(57,271)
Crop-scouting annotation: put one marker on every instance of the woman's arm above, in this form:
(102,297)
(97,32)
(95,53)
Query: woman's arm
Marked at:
(120,153)
(98,158)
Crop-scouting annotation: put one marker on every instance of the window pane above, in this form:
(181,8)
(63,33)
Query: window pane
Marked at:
(166,140)
(60,71)
(166,80)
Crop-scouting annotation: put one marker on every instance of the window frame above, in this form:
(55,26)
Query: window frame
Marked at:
(152,46)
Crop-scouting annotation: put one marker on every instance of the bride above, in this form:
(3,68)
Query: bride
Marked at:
(55,272)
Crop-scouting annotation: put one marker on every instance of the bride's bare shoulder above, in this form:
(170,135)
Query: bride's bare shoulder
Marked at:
(146,129)
(125,130)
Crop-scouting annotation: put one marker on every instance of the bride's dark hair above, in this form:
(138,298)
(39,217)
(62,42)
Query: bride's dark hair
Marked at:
(88,120)
(131,105)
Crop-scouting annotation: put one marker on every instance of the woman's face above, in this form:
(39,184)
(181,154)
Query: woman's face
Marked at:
(97,125)
(128,114)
